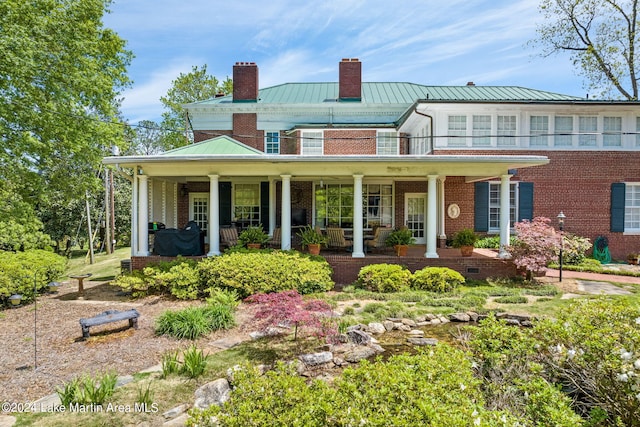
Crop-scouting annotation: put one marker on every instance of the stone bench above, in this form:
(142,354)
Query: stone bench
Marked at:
(108,317)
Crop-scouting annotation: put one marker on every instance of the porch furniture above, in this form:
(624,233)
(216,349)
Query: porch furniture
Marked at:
(276,240)
(337,239)
(80,278)
(228,236)
(188,241)
(108,317)
(378,243)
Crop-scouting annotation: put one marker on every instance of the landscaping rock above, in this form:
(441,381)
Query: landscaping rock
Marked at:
(443,319)
(213,393)
(416,333)
(376,328)
(459,317)
(430,317)
(179,421)
(473,315)
(175,412)
(315,359)
(388,325)
(359,353)
(227,342)
(405,328)
(422,341)
(436,321)
(409,322)
(424,323)
(358,337)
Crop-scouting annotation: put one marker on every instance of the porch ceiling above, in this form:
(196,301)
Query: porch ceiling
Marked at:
(473,167)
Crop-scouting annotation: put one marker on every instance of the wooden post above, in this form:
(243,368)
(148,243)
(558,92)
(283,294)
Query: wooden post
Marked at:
(91,258)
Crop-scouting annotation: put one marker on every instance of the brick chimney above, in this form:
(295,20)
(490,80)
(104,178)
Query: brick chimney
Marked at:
(350,85)
(245,82)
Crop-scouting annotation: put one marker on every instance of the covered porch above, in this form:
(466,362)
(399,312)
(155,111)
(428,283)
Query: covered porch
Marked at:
(208,183)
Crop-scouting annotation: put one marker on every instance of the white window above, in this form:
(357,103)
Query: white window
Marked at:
(387,143)
(506,130)
(334,205)
(272,142)
(199,209)
(312,143)
(481,131)
(563,131)
(632,208)
(612,132)
(377,201)
(419,143)
(457,130)
(246,204)
(588,128)
(494,205)
(539,130)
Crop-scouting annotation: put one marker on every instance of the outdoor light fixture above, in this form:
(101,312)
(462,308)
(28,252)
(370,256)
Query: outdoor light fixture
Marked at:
(15,299)
(561,218)
(54,286)
(183,190)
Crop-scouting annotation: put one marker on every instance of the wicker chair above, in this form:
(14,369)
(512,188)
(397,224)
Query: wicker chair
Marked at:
(337,240)
(378,243)
(228,236)
(276,240)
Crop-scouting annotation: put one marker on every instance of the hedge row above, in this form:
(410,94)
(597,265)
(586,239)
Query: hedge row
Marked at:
(396,278)
(19,271)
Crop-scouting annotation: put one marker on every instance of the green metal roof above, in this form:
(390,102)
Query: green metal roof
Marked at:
(221,145)
(396,93)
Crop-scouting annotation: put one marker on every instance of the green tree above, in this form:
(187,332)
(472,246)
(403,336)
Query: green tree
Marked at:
(194,86)
(601,37)
(61,72)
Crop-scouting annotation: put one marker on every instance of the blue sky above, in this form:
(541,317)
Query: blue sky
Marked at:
(431,42)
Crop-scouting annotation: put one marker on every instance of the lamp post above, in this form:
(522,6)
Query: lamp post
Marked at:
(561,218)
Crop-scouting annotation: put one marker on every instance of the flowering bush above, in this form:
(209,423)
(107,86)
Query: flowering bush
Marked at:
(536,245)
(574,248)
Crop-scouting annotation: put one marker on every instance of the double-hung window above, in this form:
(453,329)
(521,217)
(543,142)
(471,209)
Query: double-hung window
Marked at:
(246,202)
(457,131)
(312,143)
(506,128)
(481,131)
(272,142)
(494,205)
(612,131)
(539,130)
(563,131)
(632,207)
(387,143)
(588,128)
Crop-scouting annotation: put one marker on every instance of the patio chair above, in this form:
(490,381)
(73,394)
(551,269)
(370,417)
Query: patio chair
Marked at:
(378,243)
(337,240)
(276,240)
(228,236)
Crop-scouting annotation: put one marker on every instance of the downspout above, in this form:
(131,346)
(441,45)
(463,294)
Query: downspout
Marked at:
(430,127)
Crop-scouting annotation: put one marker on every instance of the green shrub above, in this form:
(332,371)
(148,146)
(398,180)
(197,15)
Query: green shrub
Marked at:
(194,362)
(86,390)
(384,278)
(263,272)
(194,322)
(179,278)
(491,242)
(436,279)
(512,299)
(19,271)
(574,248)
(170,363)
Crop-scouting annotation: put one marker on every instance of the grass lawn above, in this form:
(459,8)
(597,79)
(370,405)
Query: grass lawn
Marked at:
(105,267)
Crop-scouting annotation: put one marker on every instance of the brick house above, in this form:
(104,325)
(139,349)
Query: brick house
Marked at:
(435,159)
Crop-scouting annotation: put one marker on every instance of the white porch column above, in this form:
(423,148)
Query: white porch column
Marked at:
(272,205)
(432,217)
(143,215)
(358,236)
(285,220)
(134,213)
(441,209)
(505,214)
(214,216)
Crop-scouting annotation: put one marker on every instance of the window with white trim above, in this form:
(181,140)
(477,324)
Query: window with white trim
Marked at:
(632,208)
(457,131)
(494,205)
(539,131)
(312,143)
(588,128)
(377,201)
(387,143)
(563,129)
(612,131)
(506,130)
(246,204)
(481,131)
(334,205)
(272,142)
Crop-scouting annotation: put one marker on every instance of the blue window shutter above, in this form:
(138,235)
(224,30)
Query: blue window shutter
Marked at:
(481,206)
(264,205)
(525,202)
(618,190)
(224,194)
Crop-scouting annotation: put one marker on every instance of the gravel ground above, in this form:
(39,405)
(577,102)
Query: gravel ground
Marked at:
(62,354)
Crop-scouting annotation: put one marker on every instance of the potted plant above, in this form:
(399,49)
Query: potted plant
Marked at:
(400,239)
(312,239)
(632,258)
(465,239)
(253,237)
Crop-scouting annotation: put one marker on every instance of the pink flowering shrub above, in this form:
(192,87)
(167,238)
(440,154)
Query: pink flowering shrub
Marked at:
(536,245)
(289,308)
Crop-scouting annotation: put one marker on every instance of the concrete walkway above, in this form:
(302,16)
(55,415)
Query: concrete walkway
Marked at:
(599,277)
